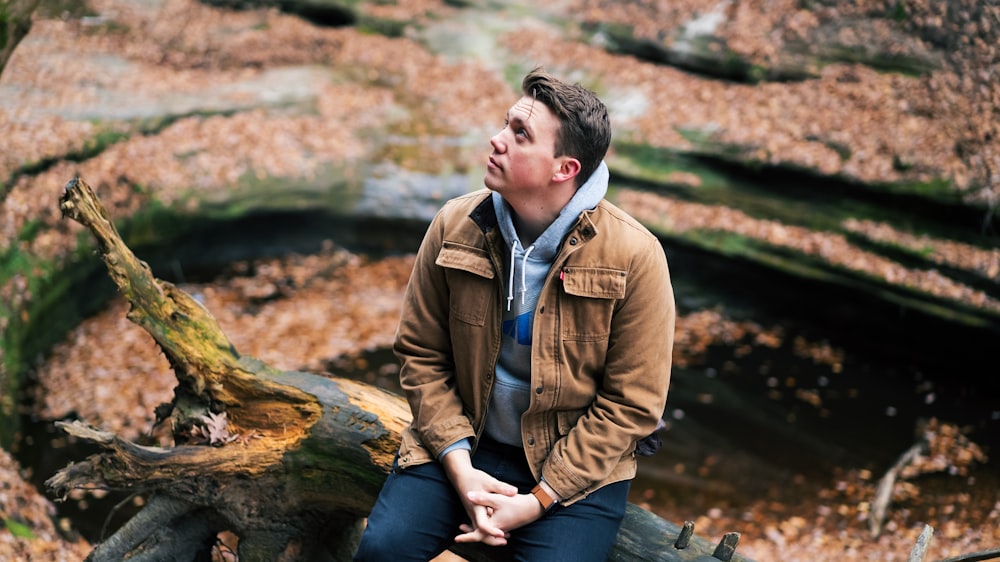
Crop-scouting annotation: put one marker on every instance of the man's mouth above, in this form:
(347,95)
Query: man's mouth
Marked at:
(494,164)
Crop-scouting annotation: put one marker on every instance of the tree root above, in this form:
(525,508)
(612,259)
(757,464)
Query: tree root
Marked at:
(883,494)
(160,513)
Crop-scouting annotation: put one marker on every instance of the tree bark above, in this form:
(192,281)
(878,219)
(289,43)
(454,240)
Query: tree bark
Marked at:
(293,460)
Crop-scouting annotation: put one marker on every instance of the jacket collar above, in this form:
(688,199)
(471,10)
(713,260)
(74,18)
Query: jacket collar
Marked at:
(484,215)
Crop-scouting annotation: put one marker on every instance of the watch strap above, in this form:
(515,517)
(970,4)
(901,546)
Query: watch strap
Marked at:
(543,497)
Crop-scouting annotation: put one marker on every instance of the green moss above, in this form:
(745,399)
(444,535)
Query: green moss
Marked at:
(697,137)
(335,187)
(735,67)
(657,165)
(381,26)
(843,150)
(30,230)
(802,199)
(807,266)
(62,294)
(108,27)
(64,9)
(19,530)
(899,14)
(940,189)
(45,318)
(4,37)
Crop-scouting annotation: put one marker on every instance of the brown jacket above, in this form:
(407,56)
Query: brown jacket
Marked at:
(603,337)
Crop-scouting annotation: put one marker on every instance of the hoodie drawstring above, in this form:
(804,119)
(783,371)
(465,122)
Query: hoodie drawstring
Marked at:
(510,282)
(524,267)
(524,264)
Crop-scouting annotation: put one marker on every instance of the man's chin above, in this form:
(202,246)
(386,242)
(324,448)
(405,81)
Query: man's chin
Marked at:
(490,185)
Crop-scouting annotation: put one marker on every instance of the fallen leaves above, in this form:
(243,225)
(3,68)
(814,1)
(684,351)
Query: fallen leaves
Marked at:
(309,312)
(215,431)
(27,529)
(834,248)
(305,312)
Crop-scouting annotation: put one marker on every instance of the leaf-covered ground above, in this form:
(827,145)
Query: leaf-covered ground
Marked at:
(309,312)
(305,312)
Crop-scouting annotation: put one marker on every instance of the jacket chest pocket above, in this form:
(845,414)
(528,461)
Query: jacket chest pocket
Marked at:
(591,294)
(469,274)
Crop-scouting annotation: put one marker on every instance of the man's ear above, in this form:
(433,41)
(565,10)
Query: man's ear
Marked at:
(568,169)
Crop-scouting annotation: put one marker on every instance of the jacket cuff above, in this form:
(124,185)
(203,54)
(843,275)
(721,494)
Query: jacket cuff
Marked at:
(561,479)
(439,437)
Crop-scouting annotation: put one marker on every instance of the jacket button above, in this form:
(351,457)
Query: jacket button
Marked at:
(531,441)
(541,310)
(572,241)
(538,390)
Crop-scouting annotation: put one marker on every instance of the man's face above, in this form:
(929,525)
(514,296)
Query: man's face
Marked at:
(523,159)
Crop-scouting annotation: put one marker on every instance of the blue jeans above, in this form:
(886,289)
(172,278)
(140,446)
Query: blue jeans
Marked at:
(417,514)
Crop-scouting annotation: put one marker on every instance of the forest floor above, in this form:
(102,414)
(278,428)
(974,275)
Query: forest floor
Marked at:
(308,312)
(304,312)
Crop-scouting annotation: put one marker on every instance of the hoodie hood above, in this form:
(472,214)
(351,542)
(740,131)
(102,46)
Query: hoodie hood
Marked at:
(587,197)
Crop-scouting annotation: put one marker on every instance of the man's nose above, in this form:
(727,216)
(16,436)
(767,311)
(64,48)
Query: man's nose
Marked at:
(497,142)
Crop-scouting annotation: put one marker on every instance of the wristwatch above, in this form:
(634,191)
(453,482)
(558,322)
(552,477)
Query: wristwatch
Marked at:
(543,497)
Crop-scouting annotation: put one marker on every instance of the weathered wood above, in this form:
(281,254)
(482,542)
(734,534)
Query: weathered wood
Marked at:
(883,492)
(160,512)
(288,461)
(643,537)
(923,541)
(646,537)
(301,453)
(684,538)
(727,547)
(990,554)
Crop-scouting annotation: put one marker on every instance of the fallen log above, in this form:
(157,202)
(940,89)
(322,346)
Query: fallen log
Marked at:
(289,462)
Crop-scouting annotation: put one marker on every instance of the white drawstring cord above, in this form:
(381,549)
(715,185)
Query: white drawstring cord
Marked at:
(510,283)
(524,267)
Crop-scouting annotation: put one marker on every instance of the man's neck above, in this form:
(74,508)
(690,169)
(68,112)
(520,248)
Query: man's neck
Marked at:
(528,231)
(532,217)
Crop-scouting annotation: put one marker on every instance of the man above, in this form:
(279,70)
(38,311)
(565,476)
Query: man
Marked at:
(535,343)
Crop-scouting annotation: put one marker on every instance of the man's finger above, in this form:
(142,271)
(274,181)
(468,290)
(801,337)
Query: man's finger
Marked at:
(503,488)
(482,499)
(477,536)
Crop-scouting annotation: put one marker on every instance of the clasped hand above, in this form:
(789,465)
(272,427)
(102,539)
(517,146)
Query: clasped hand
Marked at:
(494,507)
(494,515)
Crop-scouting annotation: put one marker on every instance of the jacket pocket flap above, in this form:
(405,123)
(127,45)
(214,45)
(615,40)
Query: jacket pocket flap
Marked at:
(594,282)
(465,258)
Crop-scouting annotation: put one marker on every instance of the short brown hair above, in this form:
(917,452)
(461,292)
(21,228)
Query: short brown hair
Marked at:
(585,129)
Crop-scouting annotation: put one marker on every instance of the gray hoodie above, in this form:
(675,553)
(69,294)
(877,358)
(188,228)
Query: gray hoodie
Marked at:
(527,269)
